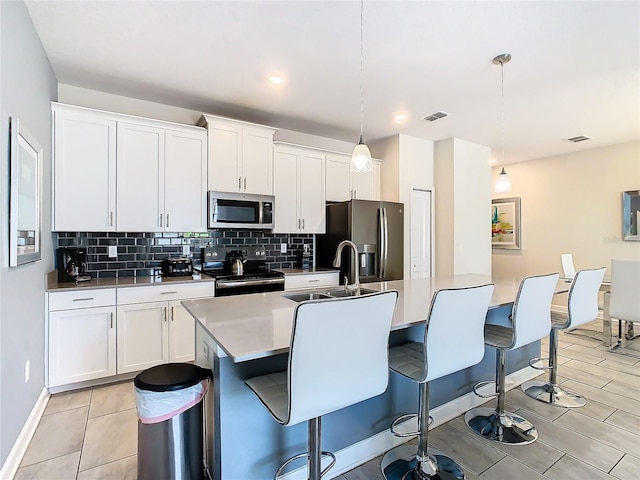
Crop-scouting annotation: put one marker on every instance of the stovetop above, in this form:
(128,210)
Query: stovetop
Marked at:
(216,264)
(249,274)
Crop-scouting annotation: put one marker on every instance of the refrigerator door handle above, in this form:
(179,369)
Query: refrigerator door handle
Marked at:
(384,241)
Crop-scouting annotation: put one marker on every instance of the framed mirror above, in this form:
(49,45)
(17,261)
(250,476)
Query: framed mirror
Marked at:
(631,215)
(25,194)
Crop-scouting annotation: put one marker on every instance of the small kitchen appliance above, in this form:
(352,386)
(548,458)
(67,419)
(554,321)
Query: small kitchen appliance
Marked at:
(240,271)
(177,266)
(240,210)
(72,264)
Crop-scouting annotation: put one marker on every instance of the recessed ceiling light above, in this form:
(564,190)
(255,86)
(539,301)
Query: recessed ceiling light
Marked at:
(492,161)
(401,117)
(276,79)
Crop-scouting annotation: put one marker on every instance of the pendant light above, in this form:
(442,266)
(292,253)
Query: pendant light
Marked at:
(361,156)
(503,184)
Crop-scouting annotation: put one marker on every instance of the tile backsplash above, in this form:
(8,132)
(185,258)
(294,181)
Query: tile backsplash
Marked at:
(140,253)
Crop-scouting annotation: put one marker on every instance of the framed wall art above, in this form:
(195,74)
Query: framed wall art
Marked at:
(505,223)
(25,195)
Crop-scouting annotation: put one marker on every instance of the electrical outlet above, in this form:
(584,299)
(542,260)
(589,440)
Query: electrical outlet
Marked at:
(283,248)
(113,251)
(27,370)
(186,250)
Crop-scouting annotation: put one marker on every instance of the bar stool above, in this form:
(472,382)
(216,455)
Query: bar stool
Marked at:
(338,357)
(530,321)
(582,307)
(442,352)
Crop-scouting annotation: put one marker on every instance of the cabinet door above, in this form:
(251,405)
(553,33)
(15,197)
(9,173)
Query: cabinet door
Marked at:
(181,334)
(362,184)
(338,172)
(84,172)
(311,196)
(285,189)
(82,345)
(140,178)
(257,162)
(185,187)
(142,336)
(224,157)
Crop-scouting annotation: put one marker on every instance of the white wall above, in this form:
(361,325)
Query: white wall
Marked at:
(27,85)
(570,204)
(463,201)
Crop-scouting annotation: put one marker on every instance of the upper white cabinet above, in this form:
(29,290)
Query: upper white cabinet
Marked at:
(344,184)
(84,172)
(118,172)
(299,190)
(161,179)
(240,156)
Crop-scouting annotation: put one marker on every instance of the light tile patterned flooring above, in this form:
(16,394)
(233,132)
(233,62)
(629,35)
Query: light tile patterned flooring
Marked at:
(92,434)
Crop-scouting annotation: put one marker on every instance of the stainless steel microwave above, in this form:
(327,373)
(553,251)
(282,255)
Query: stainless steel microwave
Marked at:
(240,210)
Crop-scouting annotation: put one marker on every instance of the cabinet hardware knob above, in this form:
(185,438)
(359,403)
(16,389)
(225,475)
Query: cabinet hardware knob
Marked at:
(172,313)
(160,220)
(111,315)
(239,183)
(167,220)
(82,299)
(245,183)
(164,314)
(111,219)
(168,293)
(303,223)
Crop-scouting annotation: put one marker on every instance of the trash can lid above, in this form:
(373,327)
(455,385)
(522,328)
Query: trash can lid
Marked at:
(170,377)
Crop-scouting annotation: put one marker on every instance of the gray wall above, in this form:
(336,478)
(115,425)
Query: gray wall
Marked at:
(27,85)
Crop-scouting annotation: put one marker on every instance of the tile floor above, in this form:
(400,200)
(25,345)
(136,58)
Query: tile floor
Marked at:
(91,434)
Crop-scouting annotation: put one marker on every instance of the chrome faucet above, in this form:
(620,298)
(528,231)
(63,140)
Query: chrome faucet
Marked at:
(354,288)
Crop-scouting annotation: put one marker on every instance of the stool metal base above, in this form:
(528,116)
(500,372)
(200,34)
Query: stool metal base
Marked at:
(552,394)
(506,428)
(400,463)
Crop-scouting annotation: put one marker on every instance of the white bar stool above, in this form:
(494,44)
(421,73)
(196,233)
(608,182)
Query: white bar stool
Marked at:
(582,307)
(441,353)
(338,357)
(530,321)
(623,303)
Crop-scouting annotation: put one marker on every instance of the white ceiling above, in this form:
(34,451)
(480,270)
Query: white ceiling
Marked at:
(575,68)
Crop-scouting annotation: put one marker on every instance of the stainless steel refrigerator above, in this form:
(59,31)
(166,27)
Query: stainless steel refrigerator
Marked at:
(377,229)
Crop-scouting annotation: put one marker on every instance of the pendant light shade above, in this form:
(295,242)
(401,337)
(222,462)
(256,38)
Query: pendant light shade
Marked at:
(361,156)
(503,184)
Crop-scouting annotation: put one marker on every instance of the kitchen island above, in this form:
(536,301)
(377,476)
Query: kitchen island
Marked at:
(245,336)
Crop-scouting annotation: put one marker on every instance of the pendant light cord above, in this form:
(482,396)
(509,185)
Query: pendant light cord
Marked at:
(502,106)
(361,69)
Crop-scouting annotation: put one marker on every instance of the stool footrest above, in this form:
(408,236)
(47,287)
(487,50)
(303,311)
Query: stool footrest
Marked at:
(402,419)
(538,367)
(483,384)
(305,455)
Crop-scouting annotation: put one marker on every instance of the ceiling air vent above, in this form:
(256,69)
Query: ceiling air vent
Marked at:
(436,116)
(579,138)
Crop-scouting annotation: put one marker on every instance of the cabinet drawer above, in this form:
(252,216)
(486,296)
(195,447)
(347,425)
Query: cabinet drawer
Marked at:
(99,297)
(311,280)
(158,293)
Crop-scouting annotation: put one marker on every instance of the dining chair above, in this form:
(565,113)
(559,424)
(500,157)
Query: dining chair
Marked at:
(624,299)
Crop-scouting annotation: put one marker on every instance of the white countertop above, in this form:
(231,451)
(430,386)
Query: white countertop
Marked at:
(254,326)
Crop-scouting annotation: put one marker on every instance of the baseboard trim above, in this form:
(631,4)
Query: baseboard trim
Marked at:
(11,464)
(361,452)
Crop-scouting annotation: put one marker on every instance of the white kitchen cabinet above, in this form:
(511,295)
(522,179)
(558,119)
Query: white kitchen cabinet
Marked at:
(344,184)
(153,327)
(82,336)
(161,179)
(240,156)
(115,172)
(84,170)
(299,190)
(330,278)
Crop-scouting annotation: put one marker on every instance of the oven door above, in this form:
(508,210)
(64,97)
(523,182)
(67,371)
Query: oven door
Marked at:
(224,288)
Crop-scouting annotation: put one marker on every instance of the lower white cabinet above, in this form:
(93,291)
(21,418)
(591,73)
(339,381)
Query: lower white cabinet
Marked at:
(82,341)
(152,330)
(92,336)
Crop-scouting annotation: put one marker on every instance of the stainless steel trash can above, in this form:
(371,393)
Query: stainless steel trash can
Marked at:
(170,421)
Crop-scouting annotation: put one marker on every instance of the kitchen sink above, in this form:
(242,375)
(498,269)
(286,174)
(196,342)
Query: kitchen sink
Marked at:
(303,296)
(339,292)
(316,295)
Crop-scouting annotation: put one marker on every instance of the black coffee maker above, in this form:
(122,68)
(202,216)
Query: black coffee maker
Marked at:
(72,264)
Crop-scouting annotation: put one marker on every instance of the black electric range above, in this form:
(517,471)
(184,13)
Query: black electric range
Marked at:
(255,278)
